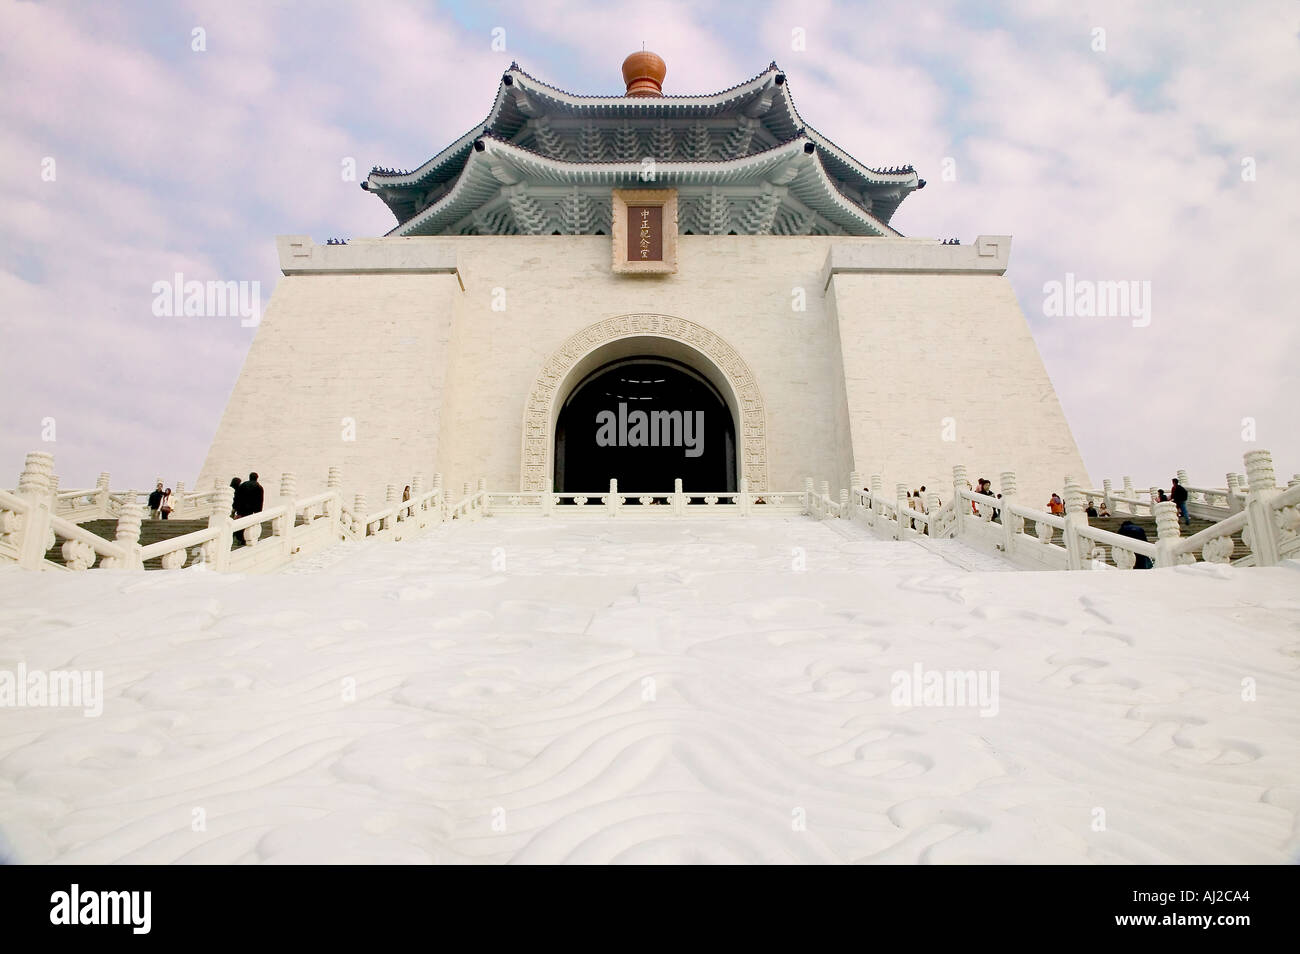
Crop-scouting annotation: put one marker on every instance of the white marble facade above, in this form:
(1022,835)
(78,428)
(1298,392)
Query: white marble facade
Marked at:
(425,354)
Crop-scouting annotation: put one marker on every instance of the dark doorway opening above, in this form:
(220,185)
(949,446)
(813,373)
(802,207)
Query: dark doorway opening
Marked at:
(644,422)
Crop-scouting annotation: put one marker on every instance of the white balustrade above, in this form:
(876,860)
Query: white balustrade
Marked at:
(1265,517)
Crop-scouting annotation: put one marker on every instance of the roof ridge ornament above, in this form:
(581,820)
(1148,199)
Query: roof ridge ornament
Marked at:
(644,73)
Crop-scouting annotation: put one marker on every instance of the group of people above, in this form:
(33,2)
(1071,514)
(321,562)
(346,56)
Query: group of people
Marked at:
(160,503)
(1056,506)
(916,500)
(1177,493)
(248,499)
(249,495)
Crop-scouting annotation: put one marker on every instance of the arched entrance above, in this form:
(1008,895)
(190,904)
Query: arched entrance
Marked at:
(645,421)
(656,337)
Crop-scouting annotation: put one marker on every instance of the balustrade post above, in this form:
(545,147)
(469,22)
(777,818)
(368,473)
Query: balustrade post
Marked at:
(1107,495)
(34,487)
(809,506)
(390,501)
(1075,517)
(283,527)
(877,489)
(1167,533)
(1011,524)
(1261,488)
(127,535)
(742,498)
(101,493)
(679,498)
(415,506)
(217,551)
(826,491)
(1130,495)
(359,515)
(483,497)
(845,512)
(904,519)
(334,505)
(548,498)
(932,508)
(438,497)
(1234,488)
(611,501)
(960,505)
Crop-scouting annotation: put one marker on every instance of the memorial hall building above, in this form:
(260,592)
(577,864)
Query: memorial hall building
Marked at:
(644,287)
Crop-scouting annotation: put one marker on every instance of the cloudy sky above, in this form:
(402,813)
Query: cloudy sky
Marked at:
(1126,142)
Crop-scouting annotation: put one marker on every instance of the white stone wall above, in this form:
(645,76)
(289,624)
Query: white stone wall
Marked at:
(372,348)
(401,334)
(933,356)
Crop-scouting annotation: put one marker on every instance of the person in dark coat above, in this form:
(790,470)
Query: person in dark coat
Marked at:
(1130,529)
(1179,496)
(155,502)
(248,500)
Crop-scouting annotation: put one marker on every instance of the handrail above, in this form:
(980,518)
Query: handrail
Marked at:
(1112,539)
(183,542)
(1224,528)
(70,531)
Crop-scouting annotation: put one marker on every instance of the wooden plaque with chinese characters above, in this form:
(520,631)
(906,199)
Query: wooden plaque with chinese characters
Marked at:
(645,231)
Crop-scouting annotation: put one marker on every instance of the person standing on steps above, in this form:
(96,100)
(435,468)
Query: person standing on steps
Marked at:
(165,505)
(1178,494)
(248,499)
(155,501)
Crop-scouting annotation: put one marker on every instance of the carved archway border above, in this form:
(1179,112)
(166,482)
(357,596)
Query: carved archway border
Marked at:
(539,412)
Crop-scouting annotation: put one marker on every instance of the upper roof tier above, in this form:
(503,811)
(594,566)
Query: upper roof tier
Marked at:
(743,161)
